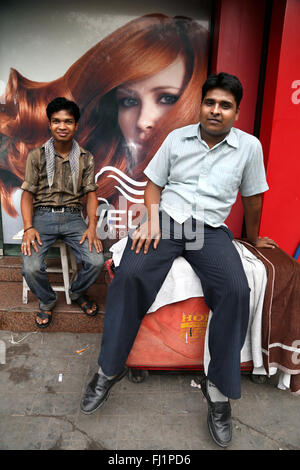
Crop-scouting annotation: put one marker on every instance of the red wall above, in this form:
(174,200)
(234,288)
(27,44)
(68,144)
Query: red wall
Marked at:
(237,49)
(280,128)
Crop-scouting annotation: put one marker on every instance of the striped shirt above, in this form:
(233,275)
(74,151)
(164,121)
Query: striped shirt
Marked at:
(61,192)
(201,182)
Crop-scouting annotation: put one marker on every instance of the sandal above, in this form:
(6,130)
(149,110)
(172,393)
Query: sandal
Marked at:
(43,316)
(88,305)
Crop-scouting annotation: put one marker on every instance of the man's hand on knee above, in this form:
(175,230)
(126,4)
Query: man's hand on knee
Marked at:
(30,239)
(93,240)
(144,235)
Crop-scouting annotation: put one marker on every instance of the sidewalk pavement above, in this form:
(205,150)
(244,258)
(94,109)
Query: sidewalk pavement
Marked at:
(44,378)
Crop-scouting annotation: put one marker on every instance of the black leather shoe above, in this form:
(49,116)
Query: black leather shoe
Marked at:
(218,418)
(97,392)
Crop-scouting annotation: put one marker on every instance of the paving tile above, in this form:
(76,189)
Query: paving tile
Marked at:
(20,433)
(44,404)
(60,382)
(173,383)
(155,443)
(203,444)
(180,402)
(78,363)
(11,443)
(77,444)
(67,404)
(34,432)
(17,403)
(86,438)
(60,428)
(25,343)
(109,444)
(19,375)
(126,404)
(98,426)
(59,444)
(65,343)
(151,384)
(191,426)
(11,427)
(140,427)
(245,438)
(165,442)
(127,444)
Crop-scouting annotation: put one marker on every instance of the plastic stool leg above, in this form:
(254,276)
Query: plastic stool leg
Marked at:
(25,292)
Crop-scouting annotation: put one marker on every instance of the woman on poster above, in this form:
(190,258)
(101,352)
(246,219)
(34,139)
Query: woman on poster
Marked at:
(133,88)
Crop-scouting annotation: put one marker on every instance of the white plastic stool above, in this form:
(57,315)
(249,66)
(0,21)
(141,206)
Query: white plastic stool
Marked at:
(66,257)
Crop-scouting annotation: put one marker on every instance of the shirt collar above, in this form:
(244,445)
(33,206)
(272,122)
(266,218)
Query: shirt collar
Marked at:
(232,138)
(82,150)
(194,131)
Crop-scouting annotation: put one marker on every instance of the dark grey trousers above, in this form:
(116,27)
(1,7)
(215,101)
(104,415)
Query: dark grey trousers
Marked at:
(226,292)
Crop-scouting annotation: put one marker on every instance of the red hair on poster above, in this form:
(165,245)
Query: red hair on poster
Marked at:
(108,84)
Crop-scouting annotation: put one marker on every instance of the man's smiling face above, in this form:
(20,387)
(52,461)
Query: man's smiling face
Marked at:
(62,126)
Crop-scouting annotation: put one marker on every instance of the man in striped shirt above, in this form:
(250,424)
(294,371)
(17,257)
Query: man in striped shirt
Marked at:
(58,174)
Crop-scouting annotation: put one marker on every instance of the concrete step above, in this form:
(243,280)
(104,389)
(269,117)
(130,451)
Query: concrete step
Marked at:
(16,316)
(11,266)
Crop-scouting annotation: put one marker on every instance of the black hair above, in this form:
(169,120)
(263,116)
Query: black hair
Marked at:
(227,82)
(59,104)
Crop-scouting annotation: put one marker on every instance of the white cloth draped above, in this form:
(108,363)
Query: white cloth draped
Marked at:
(182,283)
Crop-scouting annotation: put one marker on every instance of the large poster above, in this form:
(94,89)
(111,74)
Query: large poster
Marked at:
(136,73)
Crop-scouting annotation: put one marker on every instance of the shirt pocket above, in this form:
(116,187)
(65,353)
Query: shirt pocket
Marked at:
(227,180)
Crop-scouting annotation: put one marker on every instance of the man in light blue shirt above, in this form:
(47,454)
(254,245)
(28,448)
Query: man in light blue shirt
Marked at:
(193,182)
(235,163)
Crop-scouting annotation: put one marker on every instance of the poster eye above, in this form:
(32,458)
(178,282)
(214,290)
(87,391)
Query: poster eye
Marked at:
(127,102)
(168,99)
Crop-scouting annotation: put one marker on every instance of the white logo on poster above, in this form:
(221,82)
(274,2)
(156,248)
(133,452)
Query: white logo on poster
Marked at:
(129,191)
(296,94)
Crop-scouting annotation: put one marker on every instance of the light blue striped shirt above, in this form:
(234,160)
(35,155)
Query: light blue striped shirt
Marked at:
(203,182)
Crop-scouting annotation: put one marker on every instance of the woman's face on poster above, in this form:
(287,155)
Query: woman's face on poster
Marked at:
(142,103)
